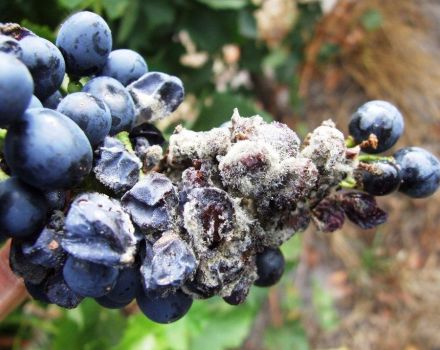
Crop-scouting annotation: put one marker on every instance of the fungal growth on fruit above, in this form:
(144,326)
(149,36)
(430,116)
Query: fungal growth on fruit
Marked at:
(98,205)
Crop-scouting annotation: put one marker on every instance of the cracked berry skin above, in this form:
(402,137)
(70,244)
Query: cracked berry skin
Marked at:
(270,267)
(380,178)
(90,113)
(23,209)
(46,64)
(16,88)
(156,95)
(85,41)
(164,309)
(34,145)
(125,66)
(89,279)
(420,171)
(98,230)
(115,96)
(380,118)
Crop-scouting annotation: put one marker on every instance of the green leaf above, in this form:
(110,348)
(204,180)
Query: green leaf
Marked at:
(158,13)
(41,30)
(290,336)
(128,21)
(219,107)
(372,20)
(72,4)
(225,4)
(247,26)
(115,8)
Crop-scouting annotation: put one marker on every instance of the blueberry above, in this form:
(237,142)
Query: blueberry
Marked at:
(46,64)
(156,95)
(16,88)
(85,41)
(379,118)
(125,66)
(152,202)
(53,100)
(108,303)
(48,150)
(23,209)
(126,287)
(115,167)
(10,46)
(90,113)
(420,172)
(149,133)
(270,267)
(59,293)
(37,291)
(35,103)
(168,263)
(380,178)
(164,309)
(89,279)
(116,97)
(98,230)
(56,200)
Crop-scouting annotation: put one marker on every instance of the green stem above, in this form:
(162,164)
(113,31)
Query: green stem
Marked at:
(348,183)
(349,142)
(369,158)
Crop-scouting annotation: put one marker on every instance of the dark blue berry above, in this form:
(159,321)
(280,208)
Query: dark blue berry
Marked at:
(126,287)
(380,177)
(90,113)
(10,46)
(37,291)
(108,303)
(89,279)
(97,229)
(379,118)
(85,41)
(23,209)
(116,97)
(16,88)
(48,150)
(125,66)
(58,292)
(35,103)
(420,172)
(156,95)
(53,100)
(270,267)
(164,309)
(45,63)
(115,167)
(56,200)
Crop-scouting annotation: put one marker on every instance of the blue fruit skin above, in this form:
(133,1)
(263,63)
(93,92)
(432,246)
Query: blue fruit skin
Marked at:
(127,286)
(420,172)
(108,303)
(48,150)
(164,309)
(16,88)
(58,291)
(85,41)
(90,113)
(53,100)
(380,118)
(56,200)
(35,103)
(270,267)
(125,66)
(383,178)
(46,64)
(10,46)
(23,209)
(117,98)
(89,279)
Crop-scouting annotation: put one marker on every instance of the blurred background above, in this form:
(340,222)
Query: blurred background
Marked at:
(298,62)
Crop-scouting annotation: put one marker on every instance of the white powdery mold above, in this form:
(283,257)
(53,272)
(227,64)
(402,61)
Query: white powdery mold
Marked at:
(283,139)
(186,145)
(152,156)
(326,147)
(246,168)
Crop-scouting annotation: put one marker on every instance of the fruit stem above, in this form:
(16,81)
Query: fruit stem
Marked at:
(369,158)
(349,142)
(12,289)
(348,183)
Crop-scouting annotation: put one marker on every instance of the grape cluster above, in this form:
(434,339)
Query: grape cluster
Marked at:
(96,208)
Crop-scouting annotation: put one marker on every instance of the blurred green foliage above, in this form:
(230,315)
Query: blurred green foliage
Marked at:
(154,28)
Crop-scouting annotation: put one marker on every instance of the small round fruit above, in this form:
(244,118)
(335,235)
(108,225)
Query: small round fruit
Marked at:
(380,118)
(270,267)
(85,41)
(381,178)
(420,172)
(48,150)
(90,113)
(23,209)
(10,46)
(164,309)
(125,66)
(16,88)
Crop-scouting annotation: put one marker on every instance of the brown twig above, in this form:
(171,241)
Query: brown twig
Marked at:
(12,289)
